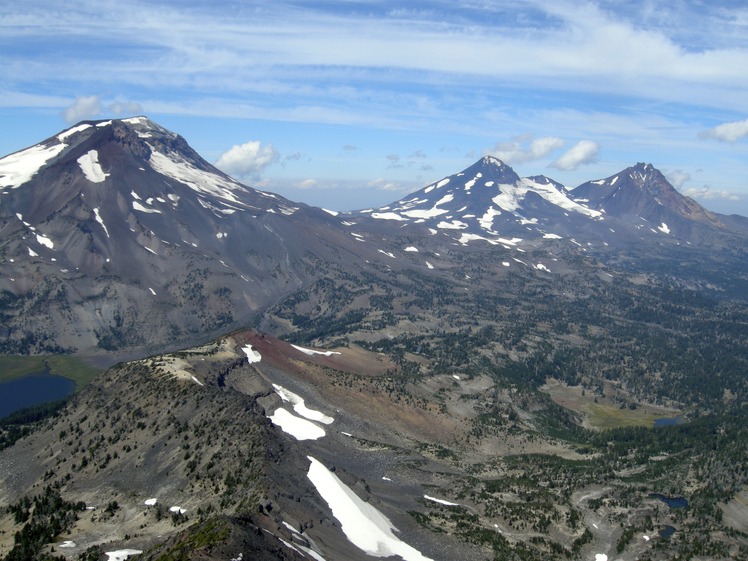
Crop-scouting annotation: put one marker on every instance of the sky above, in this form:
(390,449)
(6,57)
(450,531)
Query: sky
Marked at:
(353,104)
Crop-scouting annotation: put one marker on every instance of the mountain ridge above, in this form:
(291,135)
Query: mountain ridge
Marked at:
(117,235)
(404,389)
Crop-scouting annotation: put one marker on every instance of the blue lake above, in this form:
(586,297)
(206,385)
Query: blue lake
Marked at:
(668,422)
(667,531)
(672,502)
(33,389)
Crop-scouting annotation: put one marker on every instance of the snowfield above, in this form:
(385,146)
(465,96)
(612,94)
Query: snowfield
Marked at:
(298,405)
(252,355)
(363,525)
(312,352)
(89,163)
(299,428)
(440,501)
(121,554)
(16,169)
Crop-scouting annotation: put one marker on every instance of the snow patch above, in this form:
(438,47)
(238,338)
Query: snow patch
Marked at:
(298,405)
(363,525)
(151,502)
(68,543)
(137,206)
(411,249)
(429,265)
(98,218)
(486,221)
(311,352)
(433,212)
(178,168)
(177,510)
(664,229)
(89,163)
(16,169)
(121,554)
(45,241)
(71,131)
(387,216)
(300,429)
(440,501)
(252,354)
(33,253)
(453,225)
(551,237)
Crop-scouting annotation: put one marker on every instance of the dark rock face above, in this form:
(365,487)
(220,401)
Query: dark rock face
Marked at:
(642,192)
(123,236)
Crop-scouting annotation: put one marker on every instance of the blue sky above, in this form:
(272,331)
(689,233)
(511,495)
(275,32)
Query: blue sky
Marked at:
(352,104)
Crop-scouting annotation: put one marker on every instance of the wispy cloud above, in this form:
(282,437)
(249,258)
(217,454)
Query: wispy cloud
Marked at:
(583,152)
(728,132)
(92,106)
(307,52)
(678,178)
(85,107)
(307,183)
(385,185)
(641,78)
(706,193)
(524,149)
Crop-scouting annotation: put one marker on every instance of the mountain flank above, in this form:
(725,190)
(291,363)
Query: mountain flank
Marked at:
(477,371)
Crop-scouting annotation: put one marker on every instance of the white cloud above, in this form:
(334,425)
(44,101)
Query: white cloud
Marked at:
(517,151)
(128,108)
(248,159)
(384,185)
(678,178)
(583,152)
(708,194)
(85,107)
(728,132)
(307,183)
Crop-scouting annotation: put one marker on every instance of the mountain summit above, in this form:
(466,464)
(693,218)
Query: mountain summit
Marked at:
(489,200)
(643,192)
(130,237)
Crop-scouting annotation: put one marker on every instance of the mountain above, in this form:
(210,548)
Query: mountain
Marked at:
(642,195)
(116,234)
(470,373)
(490,201)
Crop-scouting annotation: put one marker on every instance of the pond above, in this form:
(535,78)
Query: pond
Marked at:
(672,502)
(666,532)
(33,389)
(668,422)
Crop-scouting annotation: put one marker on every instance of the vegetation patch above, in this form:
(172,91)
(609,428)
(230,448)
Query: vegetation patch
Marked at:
(67,366)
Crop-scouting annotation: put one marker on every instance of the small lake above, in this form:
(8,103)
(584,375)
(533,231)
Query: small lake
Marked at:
(672,502)
(33,389)
(668,422)
(666,532)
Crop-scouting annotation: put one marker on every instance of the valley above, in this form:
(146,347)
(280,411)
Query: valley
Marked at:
(473,372)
